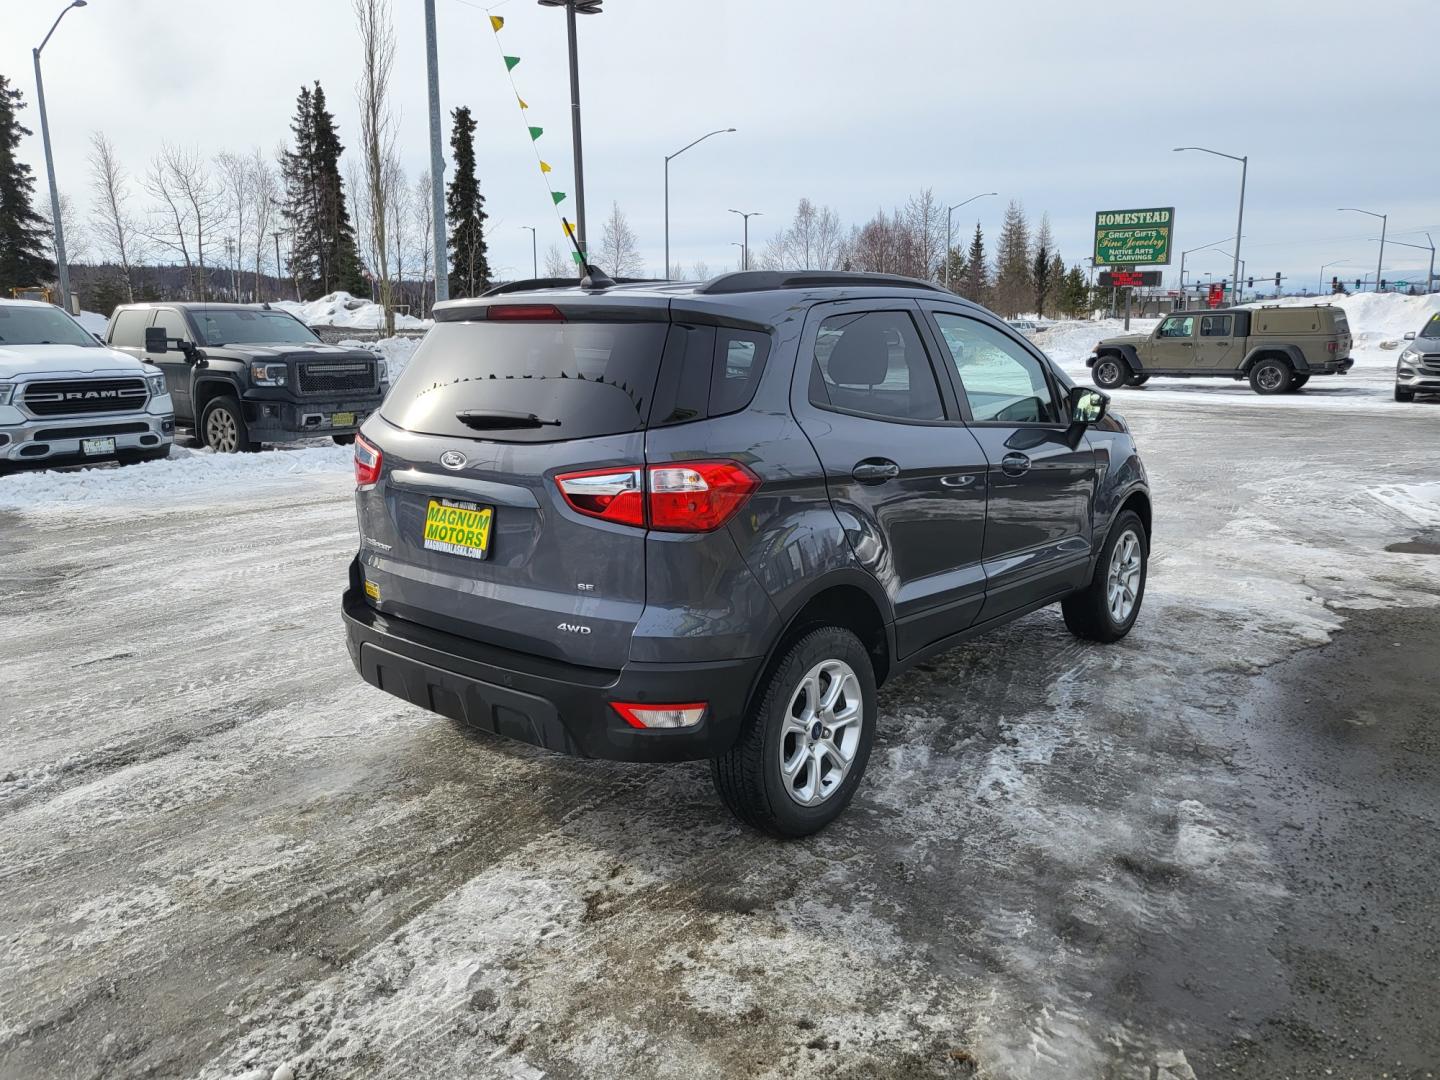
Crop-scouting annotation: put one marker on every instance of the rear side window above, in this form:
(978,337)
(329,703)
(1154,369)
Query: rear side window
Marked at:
(1215,326)
(739,360)
(129,331)
(576,380)
(872,362)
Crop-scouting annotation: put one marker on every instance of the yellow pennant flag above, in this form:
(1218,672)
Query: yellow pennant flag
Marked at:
(496,22)
(544,166)
(521,100)
(569,229)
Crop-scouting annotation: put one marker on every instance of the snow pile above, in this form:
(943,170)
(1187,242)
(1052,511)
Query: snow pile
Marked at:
(342,309)
(185,475)
(1419,502)
(396,351)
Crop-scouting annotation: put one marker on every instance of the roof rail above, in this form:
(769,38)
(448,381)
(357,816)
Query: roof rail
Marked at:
(531,284)
(766,280)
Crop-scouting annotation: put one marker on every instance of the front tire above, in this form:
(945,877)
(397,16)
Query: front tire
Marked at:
(1107,608)
(1404,395)
(804,743)
(1270,377)
(134,457)
(1110,372)
(222,427)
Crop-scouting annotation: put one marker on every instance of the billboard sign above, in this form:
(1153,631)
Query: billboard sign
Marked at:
(1134,237)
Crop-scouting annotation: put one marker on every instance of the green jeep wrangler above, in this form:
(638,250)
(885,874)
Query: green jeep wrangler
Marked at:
(1276,348)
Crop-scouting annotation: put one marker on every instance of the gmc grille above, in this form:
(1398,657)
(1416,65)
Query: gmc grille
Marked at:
(77,397)
(335,376)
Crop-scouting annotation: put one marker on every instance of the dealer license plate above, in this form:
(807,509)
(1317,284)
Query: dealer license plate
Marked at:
(94,447)
(459,528)
(342,419)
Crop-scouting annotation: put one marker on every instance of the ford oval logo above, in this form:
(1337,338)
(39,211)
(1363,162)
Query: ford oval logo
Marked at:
(452,459)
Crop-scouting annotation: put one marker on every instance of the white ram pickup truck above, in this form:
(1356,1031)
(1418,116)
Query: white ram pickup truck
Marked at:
(66,399)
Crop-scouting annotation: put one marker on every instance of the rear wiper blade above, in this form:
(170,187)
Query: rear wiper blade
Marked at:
(499,420)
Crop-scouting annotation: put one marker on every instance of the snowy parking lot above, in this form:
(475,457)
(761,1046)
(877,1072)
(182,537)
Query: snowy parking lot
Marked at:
(1208,850)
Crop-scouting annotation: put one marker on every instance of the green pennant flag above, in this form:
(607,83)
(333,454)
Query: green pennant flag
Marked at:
(576,256)
(558,196)
(535,133)
(510,62)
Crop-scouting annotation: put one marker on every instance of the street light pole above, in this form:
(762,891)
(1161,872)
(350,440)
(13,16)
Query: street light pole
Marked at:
(949,234)
(534,252)
(1430,247)
(437,162)
(677,153)
(1323,268)
(1240,220)
(1202,247)
(583,7)
(745,247)
(1384,221)
(62,268)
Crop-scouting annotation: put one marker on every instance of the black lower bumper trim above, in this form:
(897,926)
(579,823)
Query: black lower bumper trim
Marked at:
(483,686)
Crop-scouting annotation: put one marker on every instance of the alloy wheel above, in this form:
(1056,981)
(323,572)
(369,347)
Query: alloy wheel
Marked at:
(221,432)
(1122,583)
(821,732)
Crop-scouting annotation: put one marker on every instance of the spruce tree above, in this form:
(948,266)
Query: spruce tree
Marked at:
(465,212)
(24,236)
(976,283)
(1014,288)
(297,171)
(323,253)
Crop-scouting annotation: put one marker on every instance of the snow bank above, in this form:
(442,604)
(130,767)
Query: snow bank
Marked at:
(342,309)
(396,351)
(186,475)
(1418,502)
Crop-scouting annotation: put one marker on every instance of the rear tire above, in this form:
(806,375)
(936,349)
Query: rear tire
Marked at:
(222,427)
(1110,372)
(805,741)
(133,457)
(1271,377)
(344,440)
(1404,395)
(1297,381)
(1107,608)
(1137,380)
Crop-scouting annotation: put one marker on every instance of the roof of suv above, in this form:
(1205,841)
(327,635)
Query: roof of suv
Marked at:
(201,305)
(743,296)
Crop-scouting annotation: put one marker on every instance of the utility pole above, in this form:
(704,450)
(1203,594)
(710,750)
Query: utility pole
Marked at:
(583,7)
(1240,220)
(230,256)
(437,160)
(1429,246)
(534,252)
(62,267)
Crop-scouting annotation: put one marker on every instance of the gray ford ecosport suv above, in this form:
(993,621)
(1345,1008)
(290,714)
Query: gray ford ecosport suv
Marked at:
(661,521)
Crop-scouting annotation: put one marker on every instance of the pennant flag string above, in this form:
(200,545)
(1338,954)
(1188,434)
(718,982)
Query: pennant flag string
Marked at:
(497,22)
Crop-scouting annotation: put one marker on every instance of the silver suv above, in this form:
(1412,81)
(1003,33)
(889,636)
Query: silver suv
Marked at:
(1418,369)
(66,399)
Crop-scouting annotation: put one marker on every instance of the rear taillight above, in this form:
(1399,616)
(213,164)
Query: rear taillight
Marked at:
(697,496)
(686,496)
(367,463)
(660,716)
(1333,346)
(524,313)
(609,494)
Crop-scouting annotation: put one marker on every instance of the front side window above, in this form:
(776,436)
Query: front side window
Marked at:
(1001,381)
(1178,326)
(872,362)
(1214,326)
(241,326)
(22,324)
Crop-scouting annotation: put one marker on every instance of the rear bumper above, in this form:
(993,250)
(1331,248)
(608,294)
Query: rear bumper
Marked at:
(1332,367)
(558,706)
(273,421)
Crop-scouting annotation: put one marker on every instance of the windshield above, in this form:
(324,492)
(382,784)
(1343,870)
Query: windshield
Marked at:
(243,326)
(21,324)
(1432,328)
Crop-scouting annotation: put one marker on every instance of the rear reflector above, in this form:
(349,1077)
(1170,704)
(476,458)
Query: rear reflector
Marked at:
(687,496)
(660,716)
(367,463)
(524,313)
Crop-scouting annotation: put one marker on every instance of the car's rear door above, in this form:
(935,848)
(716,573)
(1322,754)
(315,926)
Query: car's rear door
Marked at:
(906,478)
(1041,473)
(467,528)
(1215,347)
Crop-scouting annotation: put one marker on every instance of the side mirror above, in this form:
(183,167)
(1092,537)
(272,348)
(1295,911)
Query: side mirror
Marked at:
(155,340)
(1410,335)
(1088,406)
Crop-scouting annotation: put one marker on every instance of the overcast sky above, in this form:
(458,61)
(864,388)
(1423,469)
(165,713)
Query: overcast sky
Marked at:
(856,104)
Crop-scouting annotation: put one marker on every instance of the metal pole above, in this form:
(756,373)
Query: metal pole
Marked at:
(1240,223)
(666,273)
(745,247)
(1430,277)
(575,135)
(437,161)
(62,268)
(1380,265)
(279,270)
(949,243)
(534,252)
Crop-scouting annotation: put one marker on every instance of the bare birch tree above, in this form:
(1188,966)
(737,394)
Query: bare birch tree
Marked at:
(266,195)
(77,237)
(556,263)
(377,135)
(619,250)
(238,199)
(187,209)
(114,225)
(422,216)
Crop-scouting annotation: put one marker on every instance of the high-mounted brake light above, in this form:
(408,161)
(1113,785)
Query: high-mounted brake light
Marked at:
(660,716)
(686,496)
(367,463)
(524,313)
(609,494)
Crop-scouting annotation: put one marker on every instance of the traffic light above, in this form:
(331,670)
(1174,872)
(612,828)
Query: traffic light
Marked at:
(1383,283)
(1335,284)
(1249,283)
(1277,281)
(1357,283)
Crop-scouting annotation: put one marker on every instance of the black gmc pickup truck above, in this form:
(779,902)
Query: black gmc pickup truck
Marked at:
(245,374)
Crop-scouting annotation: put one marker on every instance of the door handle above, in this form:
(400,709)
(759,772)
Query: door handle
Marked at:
(1188,344)
(875,471)
(1015,464)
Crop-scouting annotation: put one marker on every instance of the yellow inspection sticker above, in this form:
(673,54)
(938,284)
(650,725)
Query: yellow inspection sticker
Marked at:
(459,528)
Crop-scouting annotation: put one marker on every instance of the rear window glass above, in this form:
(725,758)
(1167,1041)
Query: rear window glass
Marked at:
(578,380)
(739,359)
(1341,325)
